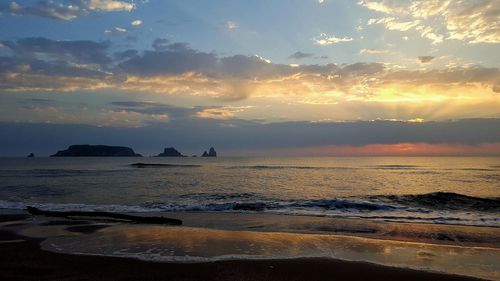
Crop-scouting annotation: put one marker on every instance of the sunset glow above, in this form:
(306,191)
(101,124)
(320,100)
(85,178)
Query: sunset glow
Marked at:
(400,149)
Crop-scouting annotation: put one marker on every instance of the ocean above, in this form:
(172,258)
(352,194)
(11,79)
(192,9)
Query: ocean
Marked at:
(438,190)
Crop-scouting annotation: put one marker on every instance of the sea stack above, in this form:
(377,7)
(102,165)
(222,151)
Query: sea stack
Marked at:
(170,152)
(86,150)
(211,153)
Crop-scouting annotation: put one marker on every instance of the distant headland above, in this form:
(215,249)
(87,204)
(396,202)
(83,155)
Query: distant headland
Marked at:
(170,152)
(211,153)
(96,151)
(87,150)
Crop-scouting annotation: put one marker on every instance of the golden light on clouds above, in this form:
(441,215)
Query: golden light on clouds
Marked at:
(415,90)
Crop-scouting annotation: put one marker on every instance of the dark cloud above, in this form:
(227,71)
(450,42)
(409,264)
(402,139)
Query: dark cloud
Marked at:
(34,74)
(34,103)
(79,51)
(239,135)
(128,54)
(38,100)
(160,44)
(300,55)
(176,58)
(131,38)
(173,112)
(425,59)
(251,67)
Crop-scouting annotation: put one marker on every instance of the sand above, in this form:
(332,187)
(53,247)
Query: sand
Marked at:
(25,261)
(21,258)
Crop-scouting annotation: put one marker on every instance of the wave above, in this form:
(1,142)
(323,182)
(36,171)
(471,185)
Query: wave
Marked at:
(438,207)
(324,208)
(257,206)
(420,203)
(284,167)
(55,173)
(478,169)
(394,167)
(11,205)
(443,201)
(161,165)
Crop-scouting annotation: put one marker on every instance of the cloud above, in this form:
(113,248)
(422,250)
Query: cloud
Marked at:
(386,7)
(231,25)
(153,108)
(40,64)
(116,31)
(174,58)
(178,113)
(47,9)
(469,21)
(393,24)
(79,51)
(300,55)
(242,136)
(324,39)
(65,9)
(425,59)
(160,44)
(373,51)
(220,112)
(109,5)
(136,22)
(427,32)
(130,53)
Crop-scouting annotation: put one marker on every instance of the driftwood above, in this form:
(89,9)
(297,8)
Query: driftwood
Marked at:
(134,219)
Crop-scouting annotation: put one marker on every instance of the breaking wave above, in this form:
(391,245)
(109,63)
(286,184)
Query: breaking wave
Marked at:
(443,201)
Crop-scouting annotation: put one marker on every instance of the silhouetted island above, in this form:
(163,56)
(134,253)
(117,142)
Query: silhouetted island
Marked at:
(96,150)
(170,152)
(211,153)
(31,155)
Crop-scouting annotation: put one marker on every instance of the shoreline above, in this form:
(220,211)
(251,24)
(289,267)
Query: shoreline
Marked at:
(245,240)
(25,260)
(418,232)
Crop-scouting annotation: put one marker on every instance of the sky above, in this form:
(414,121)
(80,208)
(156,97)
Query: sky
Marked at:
(295,77)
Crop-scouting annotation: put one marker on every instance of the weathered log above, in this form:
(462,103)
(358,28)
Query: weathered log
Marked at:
(131,218)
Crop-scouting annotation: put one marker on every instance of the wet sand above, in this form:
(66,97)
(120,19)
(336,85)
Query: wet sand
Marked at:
(22,258)
(26,261)
(381,229)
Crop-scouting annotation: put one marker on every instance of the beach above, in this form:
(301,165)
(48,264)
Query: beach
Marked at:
(44,248)
(249,140)
(250,219)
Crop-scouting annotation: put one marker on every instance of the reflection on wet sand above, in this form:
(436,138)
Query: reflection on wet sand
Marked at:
(190,244)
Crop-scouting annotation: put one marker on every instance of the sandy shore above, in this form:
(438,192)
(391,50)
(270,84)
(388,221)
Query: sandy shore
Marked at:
(21,257)
(23,260)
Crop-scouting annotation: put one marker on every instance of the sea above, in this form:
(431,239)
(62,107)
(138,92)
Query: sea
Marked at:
(437,190)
